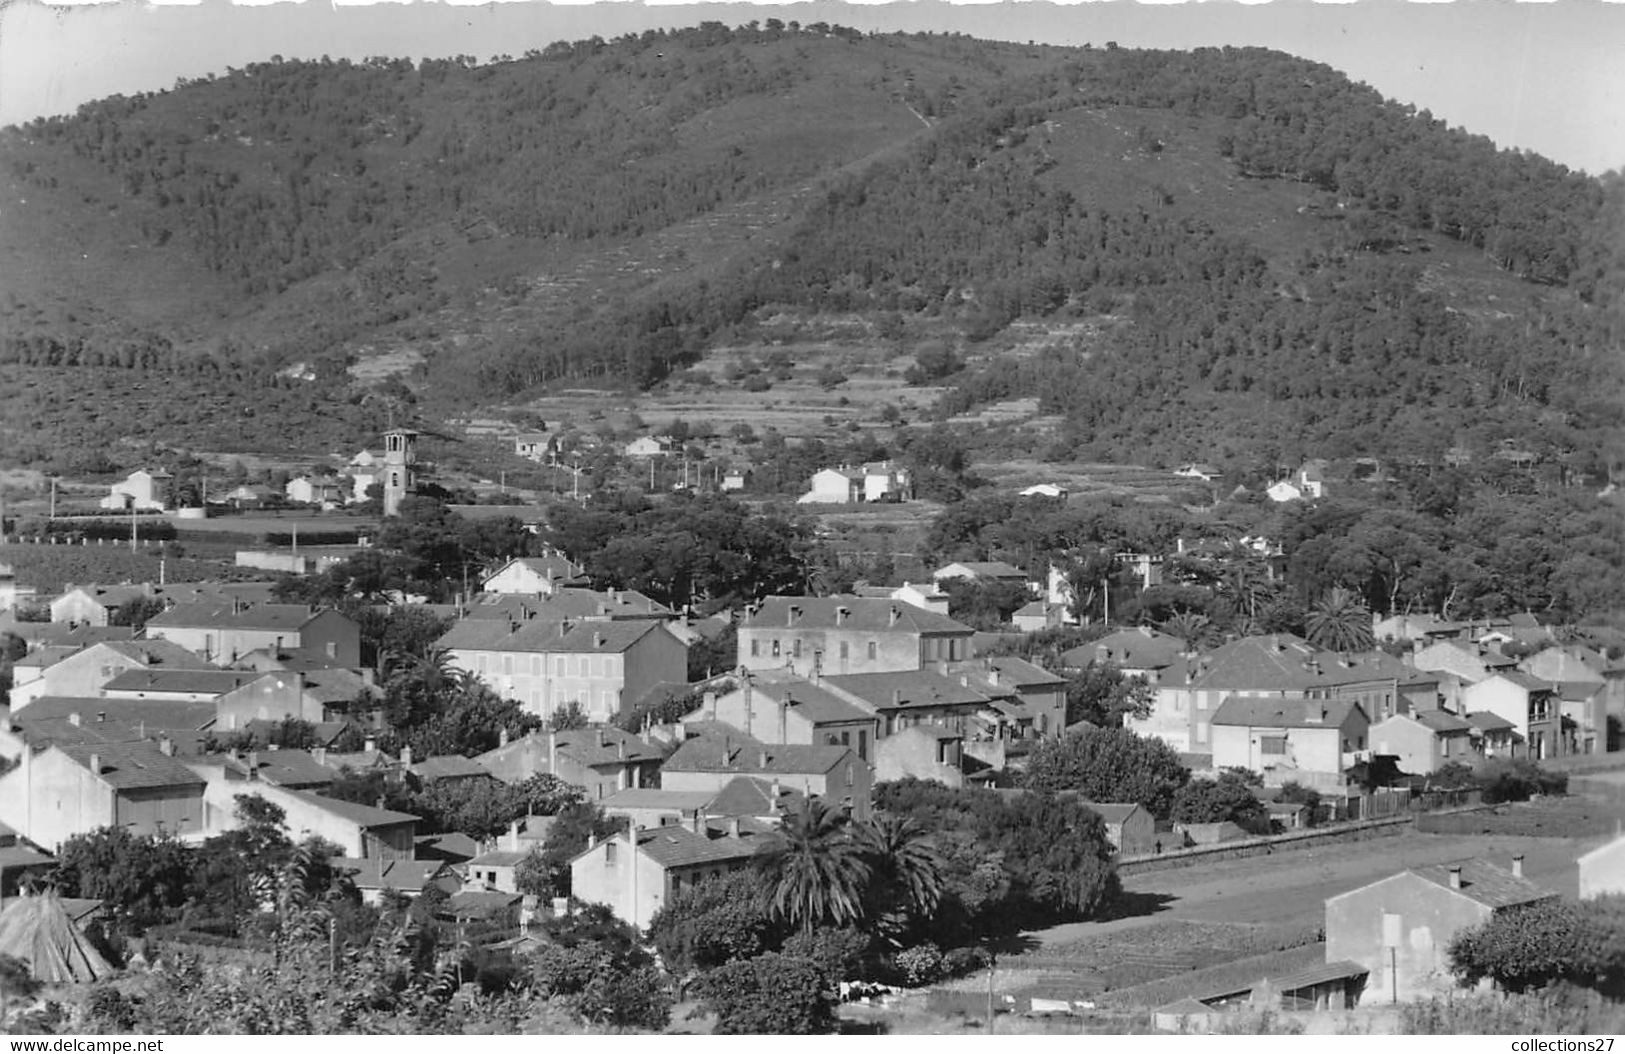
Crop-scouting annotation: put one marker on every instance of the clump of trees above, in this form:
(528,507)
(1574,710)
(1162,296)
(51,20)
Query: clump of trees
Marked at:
(1553,941)
(1109,765)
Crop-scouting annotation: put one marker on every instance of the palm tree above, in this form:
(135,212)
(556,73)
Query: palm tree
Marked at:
(906,872)
(1190,627)
(815,869)
(1340,622)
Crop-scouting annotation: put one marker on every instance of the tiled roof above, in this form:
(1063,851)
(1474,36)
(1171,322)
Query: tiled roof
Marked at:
(295,769)
(500,858)
(903,689)
(41,633)
(1285,713)
(1526,682)
(706,754)
(448,766)
(209,681)
(48,655)
(752,796)
(160,652)
(1486,721)
(602,745)
(1014,672)
(286,617)
(680,846)
(572,602)
(1486,883)
(806,698)
(986,569)
(1441,721)
(154,714)
(1282,662)
(1138,649)
(548,637)
(355,812)
(133,766)
(863,615)
(1111,812)
(656,798)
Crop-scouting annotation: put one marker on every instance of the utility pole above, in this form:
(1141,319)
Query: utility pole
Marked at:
(992,964)
(53,497)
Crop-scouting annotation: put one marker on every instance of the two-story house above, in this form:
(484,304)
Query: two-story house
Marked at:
(599,759)
(710,762)
(1530,705)
(1305,740)
(536,576)
(83,673)
(224,633)
(777,706)
(604,665)
(1277,666)
(847,635)
(637,871)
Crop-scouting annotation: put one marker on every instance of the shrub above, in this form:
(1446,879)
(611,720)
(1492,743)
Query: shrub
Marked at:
(839,953)
(1519,780)
(921,965)
(770,995)
(958,962)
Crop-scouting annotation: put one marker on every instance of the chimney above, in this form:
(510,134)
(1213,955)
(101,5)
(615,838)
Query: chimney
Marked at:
(1455,877)
(620,749)
(1314,713)
(592,841)
(964,680)
(697,823)
(512,842)
(710,700)
(733,827)
(319,755)
(841,613)
(369,745)
(777,791)
(603,738)
(942,667)
(406,757)
(761,759)
(1517,866)
(895,615)
(74,719)
(95,764)
(253,761)
(502,738)
(166,746)
(793,615)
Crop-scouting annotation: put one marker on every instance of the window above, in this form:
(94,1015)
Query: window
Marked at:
(795,647)
(535,665)
(874,649)
(849,776)
(775,648)
(1273,745)
(846,739)
(584,668)
(676,884)
(830,740)
(507,665)
(863,743)
(843,649)
(332,650)
(559,666)
(609,854)
(755,649)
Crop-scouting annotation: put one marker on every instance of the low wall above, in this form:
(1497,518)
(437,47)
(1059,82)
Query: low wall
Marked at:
(1264,845)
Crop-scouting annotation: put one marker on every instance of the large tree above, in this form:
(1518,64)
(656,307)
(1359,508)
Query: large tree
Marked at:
(815,869)
(1339,622)
(1109,765)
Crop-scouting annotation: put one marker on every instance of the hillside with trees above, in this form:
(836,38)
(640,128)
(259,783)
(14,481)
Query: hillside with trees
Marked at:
(1229,248)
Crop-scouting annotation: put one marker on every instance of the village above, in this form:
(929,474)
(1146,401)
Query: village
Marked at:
(1330,811)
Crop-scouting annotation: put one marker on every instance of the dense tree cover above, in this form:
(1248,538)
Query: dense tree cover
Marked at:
(1007,861)
(1437,540)
(1214,801)
(306,177)
(594,964)
(1536,945)
(1103,695)
(715,921)
(704,550)
(1109,765)
(771,994)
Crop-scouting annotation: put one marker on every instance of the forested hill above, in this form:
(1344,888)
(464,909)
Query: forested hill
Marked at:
(1254,239)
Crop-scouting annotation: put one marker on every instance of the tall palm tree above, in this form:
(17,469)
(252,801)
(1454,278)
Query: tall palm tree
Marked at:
(815,869)
(1340,622)
(906,872)
(1190,627)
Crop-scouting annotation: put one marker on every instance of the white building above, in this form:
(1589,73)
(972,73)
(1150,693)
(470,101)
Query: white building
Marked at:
(141,490)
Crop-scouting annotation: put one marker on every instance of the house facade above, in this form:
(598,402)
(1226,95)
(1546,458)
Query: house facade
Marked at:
(1399,928)
(1308,741)
(711,762)
(83,673)
(73,789)
(601,760)
(841,635)
(1530,705)
(636,872)
(536,576)
(224,633)
(775,706)
(604,665)
(141,490)
(1425,740)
